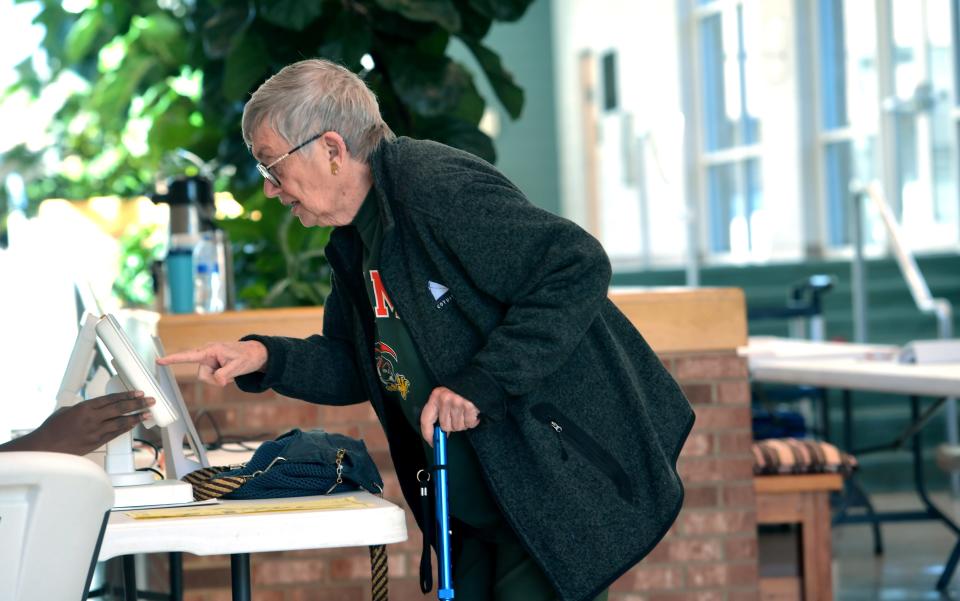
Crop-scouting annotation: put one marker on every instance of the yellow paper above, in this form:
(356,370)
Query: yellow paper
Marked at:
(238,507)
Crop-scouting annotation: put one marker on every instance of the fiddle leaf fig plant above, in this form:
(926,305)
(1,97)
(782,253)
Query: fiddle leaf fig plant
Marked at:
(151,78)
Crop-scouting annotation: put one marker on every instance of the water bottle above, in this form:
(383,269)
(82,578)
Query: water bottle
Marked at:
(179,296)
(210,294)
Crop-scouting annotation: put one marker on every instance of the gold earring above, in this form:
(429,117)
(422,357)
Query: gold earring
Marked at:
(334,168)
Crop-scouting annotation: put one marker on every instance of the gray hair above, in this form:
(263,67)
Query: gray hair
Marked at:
(314,96)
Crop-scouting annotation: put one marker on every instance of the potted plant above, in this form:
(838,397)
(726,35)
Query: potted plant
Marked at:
(153,77)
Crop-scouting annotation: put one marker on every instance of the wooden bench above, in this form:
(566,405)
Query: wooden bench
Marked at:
(800,499)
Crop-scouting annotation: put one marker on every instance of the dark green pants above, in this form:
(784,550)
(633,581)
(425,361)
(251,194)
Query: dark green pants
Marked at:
(500,571)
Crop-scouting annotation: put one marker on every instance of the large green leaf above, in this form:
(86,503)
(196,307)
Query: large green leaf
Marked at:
(113,92)
(507,90)
(348,40)
(471,105)
(225,27)
(397,31)
(171,128)
(291,14)
(441,12)
(81,36)
(430,86)
(27,78)
(162,36)
(434,44)
(501,10)
(56,24)
(460,134)
(475,24)
(245,66)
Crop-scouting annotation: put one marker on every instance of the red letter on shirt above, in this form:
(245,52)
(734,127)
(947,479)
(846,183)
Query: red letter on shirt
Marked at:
(383,306)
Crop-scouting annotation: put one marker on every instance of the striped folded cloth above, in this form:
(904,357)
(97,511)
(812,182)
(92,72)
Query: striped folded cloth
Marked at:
(795,456)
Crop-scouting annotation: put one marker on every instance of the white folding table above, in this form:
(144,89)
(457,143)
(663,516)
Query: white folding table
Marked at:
(866,367)
(377,522)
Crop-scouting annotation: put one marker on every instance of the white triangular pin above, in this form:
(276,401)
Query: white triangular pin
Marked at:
(437,290)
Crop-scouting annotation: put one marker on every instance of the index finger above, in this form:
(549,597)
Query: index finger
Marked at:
(193,356)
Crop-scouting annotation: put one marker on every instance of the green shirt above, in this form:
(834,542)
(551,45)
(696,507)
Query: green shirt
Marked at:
(405,381)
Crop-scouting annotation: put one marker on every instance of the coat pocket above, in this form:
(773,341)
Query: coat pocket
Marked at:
(569,434)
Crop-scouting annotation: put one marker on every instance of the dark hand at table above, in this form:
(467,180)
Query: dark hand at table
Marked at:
(87,425)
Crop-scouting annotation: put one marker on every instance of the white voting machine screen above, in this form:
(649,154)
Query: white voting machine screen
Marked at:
(121,367)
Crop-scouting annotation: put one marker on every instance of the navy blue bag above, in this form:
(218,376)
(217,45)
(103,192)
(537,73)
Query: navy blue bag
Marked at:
(296,464)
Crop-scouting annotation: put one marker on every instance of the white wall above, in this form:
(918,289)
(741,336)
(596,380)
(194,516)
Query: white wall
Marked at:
(644,35)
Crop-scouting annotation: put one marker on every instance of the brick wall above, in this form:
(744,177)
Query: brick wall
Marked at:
(710,554)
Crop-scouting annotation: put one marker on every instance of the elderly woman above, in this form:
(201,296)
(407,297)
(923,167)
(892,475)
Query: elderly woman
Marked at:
(457,301)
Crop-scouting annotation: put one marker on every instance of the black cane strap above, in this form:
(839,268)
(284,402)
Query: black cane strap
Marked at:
(427,519)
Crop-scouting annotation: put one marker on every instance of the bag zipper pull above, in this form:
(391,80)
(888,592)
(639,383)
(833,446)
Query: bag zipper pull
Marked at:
(559,430)
(340,454)
(339,462)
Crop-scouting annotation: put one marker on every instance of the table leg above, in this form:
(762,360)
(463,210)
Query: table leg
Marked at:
(176,576)
(817,549)
(240,576)
(824,399)
(129,578)
(847,420)
(944,581)
(853,495)
(921,486)
(919,475)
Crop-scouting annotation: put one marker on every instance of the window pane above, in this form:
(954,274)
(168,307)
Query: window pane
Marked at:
(721,192)
(838,175)
(758,231)
(727,62)
(906,125)
(926,151)
(735,194)
(844,163)
(717,126)
(832,64)
(848,66)
(944,159)
(907,37)
(939,33)
(750,25)
(945,193)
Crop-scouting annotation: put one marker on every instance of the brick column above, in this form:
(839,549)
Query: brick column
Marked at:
(710,554)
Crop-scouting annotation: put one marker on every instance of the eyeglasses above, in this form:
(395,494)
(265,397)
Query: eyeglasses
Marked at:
(265,169)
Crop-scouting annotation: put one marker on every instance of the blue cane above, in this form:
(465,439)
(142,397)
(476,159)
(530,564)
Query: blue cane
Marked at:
(445,585)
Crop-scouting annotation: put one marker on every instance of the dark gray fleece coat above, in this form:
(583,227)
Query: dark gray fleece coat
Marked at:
(581,424)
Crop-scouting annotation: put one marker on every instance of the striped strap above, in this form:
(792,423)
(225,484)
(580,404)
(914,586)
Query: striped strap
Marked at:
(207,485)
(378,572)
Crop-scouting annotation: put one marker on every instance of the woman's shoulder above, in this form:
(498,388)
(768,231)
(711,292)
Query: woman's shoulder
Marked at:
(429,155)
(419,171)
